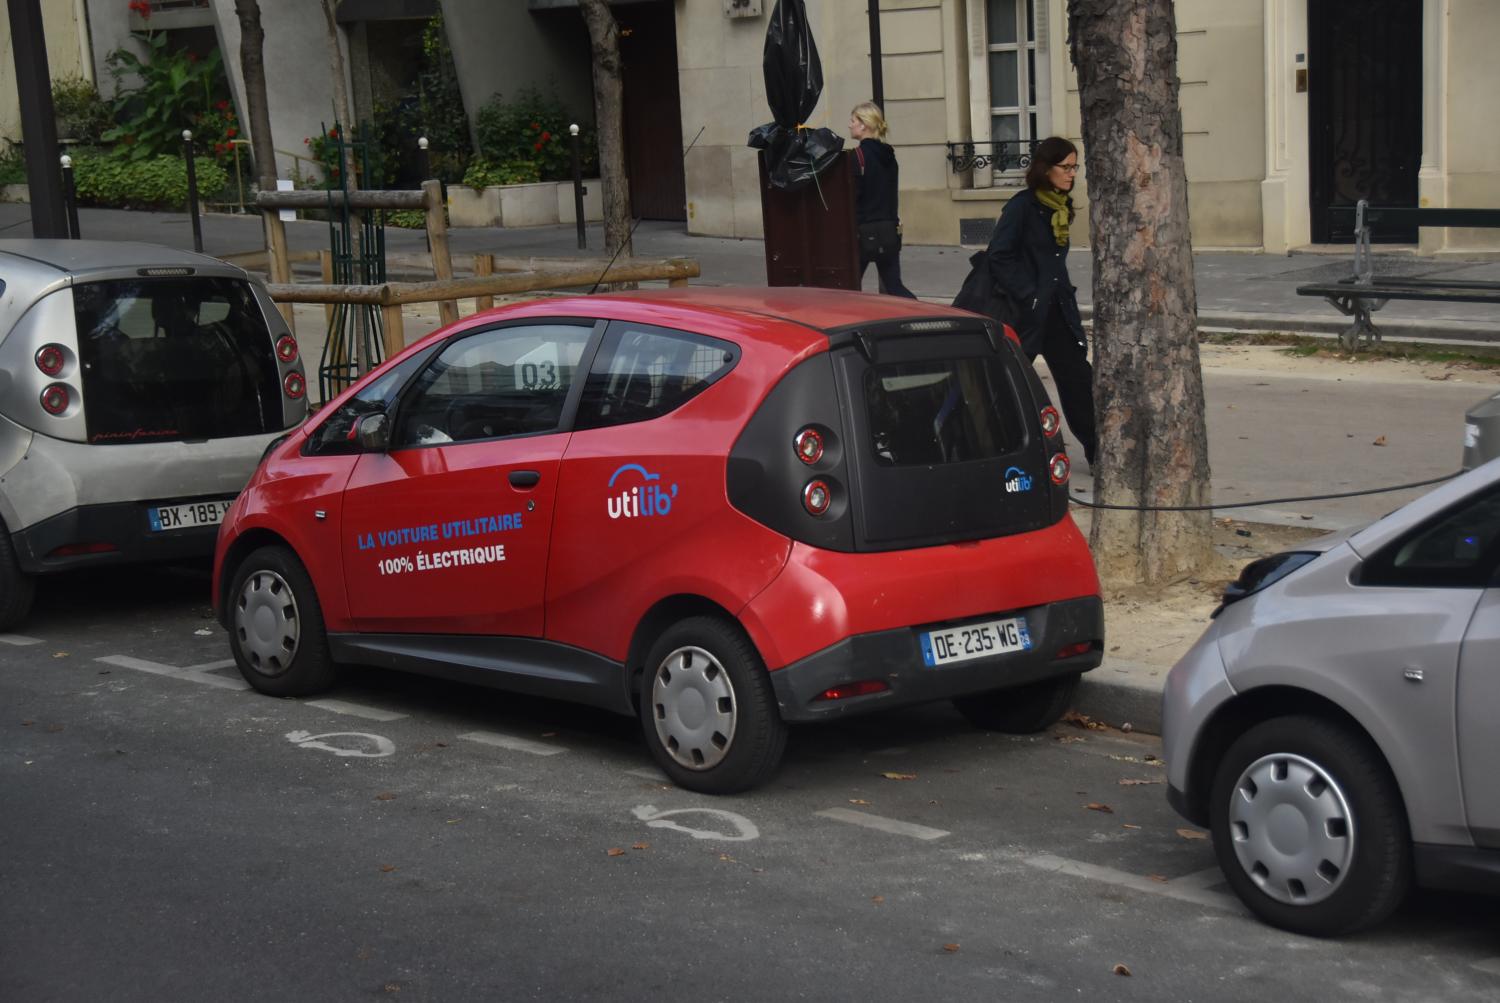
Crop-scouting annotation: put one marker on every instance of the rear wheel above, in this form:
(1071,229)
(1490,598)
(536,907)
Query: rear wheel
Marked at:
(276,626)
(1309,827)
(708,710)
(17,588)
(1021,710)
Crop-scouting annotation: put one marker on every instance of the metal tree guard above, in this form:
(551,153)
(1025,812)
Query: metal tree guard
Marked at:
(358,326)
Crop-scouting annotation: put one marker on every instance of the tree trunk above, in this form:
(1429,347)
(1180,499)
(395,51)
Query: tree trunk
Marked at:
(1148,387)
(257,109)
(341,105)
(609,113)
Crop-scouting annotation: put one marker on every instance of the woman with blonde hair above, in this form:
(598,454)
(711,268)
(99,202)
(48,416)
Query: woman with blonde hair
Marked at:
(875,180)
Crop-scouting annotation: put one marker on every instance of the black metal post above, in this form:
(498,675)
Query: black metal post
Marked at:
(583,240)
(38,128)
(70,196)
(877,75)
(192,192)
(424,161)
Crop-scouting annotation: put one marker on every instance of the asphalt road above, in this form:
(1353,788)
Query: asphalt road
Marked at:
(169,834)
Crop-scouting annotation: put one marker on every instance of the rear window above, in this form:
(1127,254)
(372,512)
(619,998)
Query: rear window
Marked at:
(643,372)
(942,411)
(179,358)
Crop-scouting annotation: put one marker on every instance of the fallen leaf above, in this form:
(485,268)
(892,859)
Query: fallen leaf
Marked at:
(615,851)
(27,724)
(54,728)
(1379,441)
(726,858)
(1158,877)
(951,948)
(203,632)
(454,821)
(1099,806)
(1068,739)
(387,868)
(385,796)
(441,745)
(393,987)
(878,899)
(899,776)
(1127,825)
(1132,782)
(59,654)
(1083,721)
(1192,834)
(860,801)
(641,846)
(1120,970)
(1440,376)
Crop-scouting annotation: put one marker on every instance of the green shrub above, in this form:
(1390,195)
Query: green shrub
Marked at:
(486,174)
(531,127)
(177,87)
(12,167)
(111,179)
(406,219)
(80,112)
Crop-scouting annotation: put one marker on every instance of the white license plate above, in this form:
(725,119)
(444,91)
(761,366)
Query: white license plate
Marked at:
(209,513)
(975,640)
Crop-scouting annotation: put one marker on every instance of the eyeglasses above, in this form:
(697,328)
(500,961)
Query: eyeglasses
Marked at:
(1067,168)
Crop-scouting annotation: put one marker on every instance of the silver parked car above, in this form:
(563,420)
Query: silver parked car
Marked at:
(139,386)
(1335,725)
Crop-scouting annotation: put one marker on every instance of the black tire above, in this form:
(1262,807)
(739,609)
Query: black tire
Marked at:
(1327,793)
(707,708)
(17,588)
(276,626)
(1021,710)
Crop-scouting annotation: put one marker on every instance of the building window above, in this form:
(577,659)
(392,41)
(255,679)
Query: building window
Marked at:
(1016,73)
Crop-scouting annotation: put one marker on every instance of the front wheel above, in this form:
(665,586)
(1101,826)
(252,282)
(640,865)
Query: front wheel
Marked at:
(276,626)
(1309,827)
(708,710)
(17,588)
(1021,710)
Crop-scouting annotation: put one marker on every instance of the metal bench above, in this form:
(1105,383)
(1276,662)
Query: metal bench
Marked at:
(1364,292)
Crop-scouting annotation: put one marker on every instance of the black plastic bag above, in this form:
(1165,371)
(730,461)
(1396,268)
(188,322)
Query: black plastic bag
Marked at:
(980,294)
(794,82)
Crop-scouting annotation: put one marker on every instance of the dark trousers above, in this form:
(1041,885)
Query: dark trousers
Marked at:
(888,270)
(1068,361)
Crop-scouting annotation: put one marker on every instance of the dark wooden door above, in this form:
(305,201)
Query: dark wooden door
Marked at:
(811,239)
(653,111)
(1365,110)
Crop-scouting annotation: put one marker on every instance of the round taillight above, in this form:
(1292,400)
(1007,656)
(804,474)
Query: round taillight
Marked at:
(294,385)
(286,348)
(815,497)
(1051,421)
(50,359)
(55,399)
(809,446)
(1059,468)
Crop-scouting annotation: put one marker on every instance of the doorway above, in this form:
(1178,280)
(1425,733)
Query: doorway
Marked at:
(653,111)
(1364,111)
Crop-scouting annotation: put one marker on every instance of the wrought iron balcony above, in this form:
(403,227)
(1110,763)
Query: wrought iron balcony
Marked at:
(1001,154)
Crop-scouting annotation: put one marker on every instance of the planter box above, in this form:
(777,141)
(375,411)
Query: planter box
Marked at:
(22,193)
(543,204)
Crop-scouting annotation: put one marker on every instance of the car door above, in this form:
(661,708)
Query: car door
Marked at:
(447,530)
(1478,704)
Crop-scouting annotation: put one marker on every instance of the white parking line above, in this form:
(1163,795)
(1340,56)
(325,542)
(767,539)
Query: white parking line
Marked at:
(1206,878)
(357,710)
(512,743)
(648,774)
(881,823)
(19,640)
(210,666)
(173,672)
(1135,882)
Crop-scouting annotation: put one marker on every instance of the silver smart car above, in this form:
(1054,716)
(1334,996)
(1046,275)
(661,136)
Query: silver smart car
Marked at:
(1335,725)
(139,386)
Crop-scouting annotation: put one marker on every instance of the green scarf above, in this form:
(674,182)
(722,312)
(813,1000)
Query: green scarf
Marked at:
(1061,206)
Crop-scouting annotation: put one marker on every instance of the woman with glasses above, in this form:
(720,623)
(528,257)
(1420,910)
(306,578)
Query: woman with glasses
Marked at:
(1028,261)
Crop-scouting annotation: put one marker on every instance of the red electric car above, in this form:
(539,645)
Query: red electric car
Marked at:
(720,509)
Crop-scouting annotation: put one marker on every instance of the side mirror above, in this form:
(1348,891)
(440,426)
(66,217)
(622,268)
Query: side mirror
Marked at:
(373,433)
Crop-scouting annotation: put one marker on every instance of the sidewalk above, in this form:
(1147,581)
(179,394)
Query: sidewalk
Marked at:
(1273,432)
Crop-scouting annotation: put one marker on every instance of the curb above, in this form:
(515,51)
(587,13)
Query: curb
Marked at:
(1117,704)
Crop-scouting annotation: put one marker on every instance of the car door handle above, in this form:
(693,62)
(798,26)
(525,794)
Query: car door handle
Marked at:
(524,478)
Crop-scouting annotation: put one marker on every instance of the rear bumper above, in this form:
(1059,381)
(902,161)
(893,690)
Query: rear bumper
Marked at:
(894,657)
(123,525)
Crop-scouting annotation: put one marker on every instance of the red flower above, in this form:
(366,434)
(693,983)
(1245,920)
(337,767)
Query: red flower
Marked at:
(536,126)
(141,7)
(231,132)
(333,133)
(546,136)
(537,147)
(222,105)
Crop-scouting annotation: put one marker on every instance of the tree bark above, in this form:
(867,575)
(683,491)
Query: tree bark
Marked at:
(1148,386)
(257,108)
(609,113)
(341,104)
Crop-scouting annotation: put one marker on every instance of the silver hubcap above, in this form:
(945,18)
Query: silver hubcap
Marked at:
(266,622)
(1291,828)
(692,703)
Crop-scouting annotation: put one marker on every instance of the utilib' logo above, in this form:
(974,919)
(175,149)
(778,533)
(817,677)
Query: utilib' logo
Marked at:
(1016,479)
(635,501)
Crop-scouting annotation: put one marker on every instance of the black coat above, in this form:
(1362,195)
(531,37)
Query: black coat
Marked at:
(876,180)
(1026,262)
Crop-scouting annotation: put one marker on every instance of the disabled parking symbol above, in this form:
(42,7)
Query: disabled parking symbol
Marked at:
(358,744)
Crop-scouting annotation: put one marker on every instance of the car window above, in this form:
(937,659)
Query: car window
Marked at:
(644,372)
(175,358)
(501,382)
(1457,549)
(332,436)
(941,411)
